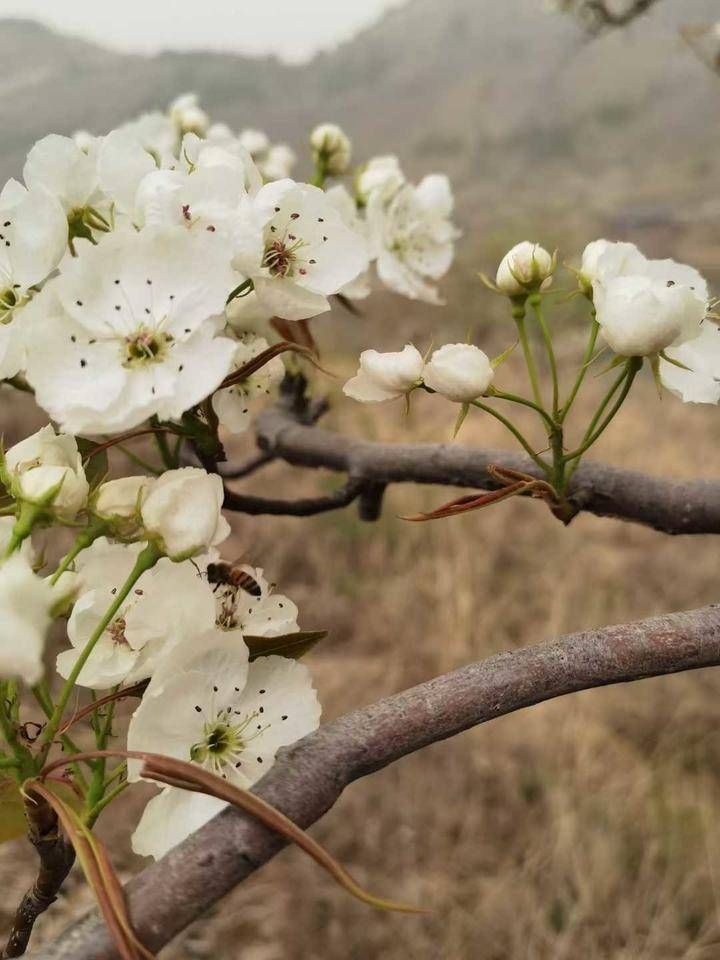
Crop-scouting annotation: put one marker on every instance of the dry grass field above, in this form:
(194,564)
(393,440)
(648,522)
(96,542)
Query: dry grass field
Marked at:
(584,828)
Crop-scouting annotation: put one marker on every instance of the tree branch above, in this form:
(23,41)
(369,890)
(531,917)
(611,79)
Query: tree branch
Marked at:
(56,859)
(671,506)
(308,777)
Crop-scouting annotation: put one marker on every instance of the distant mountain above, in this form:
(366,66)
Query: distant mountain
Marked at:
(520,107)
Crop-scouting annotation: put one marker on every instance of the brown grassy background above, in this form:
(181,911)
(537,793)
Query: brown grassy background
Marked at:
(581,828)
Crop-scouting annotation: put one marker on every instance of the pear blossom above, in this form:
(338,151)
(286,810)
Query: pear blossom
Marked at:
(278,162)
(308,251)
(85,140)
(47,465)
(700,381)
(386,376)
(526,268)
(208,705)
(255,142)
(127,330)
(339,197)
(156,133)
(187,114)
(33,240)
(183,512)
(26,601)
(412,236)
(234,405)
(332,149)
(603,260)
(122,163)
(247,314)
(381,176)
(459,371)
(59,166)
(117,503)
(269,615)
(168,603)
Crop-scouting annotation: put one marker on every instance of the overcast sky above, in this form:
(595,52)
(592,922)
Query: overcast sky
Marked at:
(293,29)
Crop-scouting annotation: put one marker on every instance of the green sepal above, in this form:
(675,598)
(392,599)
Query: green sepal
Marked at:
(460,419)
(675,363)
(95,464)
(503,356)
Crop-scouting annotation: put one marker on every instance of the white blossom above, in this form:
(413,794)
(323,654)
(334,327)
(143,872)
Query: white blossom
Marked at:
(603,260)
(278,162)
(236,404)
(33,239)
(122,163)
(206,704)
(168,604)
(381,176)
(331,148)
(459,371)
(412,236)
(127,331)
(59,166)
(339,197)
(386,376)
(25,604)
(700,382)
(47,462)
(187,114)
(269,615)
(524,269)
(183,511)
(255,142)
(308,251)
(118,502)
(662,303)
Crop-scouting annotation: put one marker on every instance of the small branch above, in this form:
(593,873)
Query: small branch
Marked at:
(309,776)
(56,859)
(307,507)
(250,466)
(671,506)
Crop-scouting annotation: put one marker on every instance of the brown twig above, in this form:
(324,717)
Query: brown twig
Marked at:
(56,859)
(308,777)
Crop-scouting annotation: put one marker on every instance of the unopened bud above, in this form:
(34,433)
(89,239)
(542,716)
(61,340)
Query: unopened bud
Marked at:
(332,148)
(525,269)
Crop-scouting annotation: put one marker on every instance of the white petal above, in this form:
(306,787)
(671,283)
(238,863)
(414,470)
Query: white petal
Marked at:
(170,817)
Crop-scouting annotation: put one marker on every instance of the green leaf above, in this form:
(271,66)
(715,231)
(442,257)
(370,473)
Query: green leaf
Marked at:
(96,464)
(292,645)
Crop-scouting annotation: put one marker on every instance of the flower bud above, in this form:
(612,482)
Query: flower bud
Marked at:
(525,269)
(385,376)
(118,502)
(183,511)
(459,371)
(46,469)
(331,148)
(188,116)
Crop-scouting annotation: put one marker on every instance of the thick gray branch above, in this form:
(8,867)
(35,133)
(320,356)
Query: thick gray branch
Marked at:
(672,506)
(309,777)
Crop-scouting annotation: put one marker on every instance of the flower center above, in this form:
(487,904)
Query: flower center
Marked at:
(146,346)
(9,300)
(281,257)
(117,631)
(223,742)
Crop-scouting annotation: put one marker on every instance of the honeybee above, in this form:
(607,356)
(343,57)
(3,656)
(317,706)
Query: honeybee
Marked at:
(223,574)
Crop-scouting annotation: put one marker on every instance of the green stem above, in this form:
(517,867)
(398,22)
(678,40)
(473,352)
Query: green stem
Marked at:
(8,763)
(116,772)
(26,519)
(513,398)
(42,695)
(92,815)
(594,331)
(321,172)
(516,433)
(164,448)
(82,542)
(519,317)
(21,756)
(536,304)
(632,369)
(145,561)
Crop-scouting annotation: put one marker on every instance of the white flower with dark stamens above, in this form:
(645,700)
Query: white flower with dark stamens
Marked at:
(459,371)
(25,604)
(168,604)
(660,304)
(207,705)
(235,405)
(269,615)
(182,511)
(386,376)
(33,239)
(412,236)
(700,382)
(127,331)
(309,253)
(47,462)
